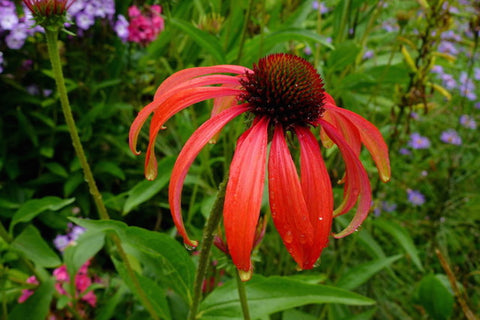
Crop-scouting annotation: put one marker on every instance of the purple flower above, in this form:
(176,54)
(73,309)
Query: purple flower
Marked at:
(467,87)
(415,197)
(448,47)
(451,136)
(476,74)
(121,28)
(389,206)
(61,242)
(9,17)
(405,151)
(16,38)
(437,69)
(320,7)
(448,81)
(477,105)
(468,122)
(418,142)
(368,54)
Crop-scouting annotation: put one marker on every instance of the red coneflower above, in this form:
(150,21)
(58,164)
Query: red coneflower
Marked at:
(48,7)
(286,96)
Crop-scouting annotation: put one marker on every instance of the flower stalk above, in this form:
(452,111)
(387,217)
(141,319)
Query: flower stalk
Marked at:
(72,128)
(207,241)
(52,36)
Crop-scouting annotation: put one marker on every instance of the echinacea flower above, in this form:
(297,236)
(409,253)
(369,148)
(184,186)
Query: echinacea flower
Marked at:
(49,13)
(285,96)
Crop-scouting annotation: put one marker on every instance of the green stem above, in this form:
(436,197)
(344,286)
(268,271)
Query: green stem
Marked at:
(53,52)
(207,241)
(243,297)
(244,30)
(72,128)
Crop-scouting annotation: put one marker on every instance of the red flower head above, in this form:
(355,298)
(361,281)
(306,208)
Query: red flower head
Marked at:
(49,13)
(286,96)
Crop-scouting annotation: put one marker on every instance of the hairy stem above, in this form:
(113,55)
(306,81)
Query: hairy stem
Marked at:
(207,241)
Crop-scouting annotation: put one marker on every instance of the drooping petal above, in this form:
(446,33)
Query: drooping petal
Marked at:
(357,183)
(162,95)
(175,103)
(186,157)
(243,197)
(317,191)
(187,74)
(371,138)
(287,202)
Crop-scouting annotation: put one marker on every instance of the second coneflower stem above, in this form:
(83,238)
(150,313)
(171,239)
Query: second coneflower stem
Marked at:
(207,241)
(52,36)
(72,128)
(242,295)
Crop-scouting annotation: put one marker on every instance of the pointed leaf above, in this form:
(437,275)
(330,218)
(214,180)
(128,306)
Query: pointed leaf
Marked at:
(273,294)
(34,247)
(361,273)
(37,306)
(403,238)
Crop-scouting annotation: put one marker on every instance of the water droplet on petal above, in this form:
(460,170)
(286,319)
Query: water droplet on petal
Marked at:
(288,237)
(320,218)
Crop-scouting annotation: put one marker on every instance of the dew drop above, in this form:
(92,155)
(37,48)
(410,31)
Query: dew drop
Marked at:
(320,218)
(288,238)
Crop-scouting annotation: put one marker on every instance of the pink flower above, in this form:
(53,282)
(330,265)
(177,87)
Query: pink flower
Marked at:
(145,26)
(26,293)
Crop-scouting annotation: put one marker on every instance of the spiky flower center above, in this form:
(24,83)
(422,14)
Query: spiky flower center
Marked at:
(285,88)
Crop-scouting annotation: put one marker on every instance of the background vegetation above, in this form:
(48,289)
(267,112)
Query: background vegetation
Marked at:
(410,67)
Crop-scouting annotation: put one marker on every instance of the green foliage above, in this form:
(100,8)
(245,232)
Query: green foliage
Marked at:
(377,58)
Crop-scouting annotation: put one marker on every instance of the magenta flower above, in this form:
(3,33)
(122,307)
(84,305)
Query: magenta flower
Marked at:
(145,27)
(285,96)
(26,293)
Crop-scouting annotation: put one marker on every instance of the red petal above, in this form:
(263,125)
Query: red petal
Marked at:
(162,95)
(371,137)
(357,183)
(243,196)
(317,191)
(187,74)
(175,103)
(287,202)
(186,157)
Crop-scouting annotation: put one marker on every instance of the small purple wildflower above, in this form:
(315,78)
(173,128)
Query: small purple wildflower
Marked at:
(448,47)
(320,7)
(405,152)
(468,122)
(448,81)
(415,197)
(476,74)
(121,28)
(467,87)
(451,136)
(437,69)
(418,142)
(368,54)
(414,115)
(477,105)
(61,242)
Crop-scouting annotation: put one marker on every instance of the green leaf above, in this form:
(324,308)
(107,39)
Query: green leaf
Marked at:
(110,168)
(273,294)
(37,305)
(403,238)
(145,190)
(33,208)
(154,293)
(86,246)
(361,273)
(27,127)
(57,169)
(435,297)
(205,40)
(160,254)
(34,247)
(165,258)
(343,55)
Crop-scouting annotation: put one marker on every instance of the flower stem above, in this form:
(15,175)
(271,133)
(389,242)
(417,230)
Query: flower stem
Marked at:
(207,241)
(53,52)
(72,128)
(243,297)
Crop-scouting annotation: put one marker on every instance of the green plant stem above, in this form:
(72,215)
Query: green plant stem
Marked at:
(244,31)
(53,52)
(207,241)
(72,128)
(243,297)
